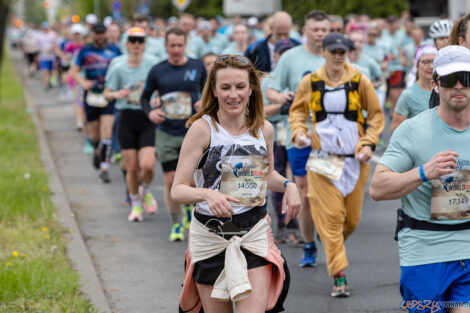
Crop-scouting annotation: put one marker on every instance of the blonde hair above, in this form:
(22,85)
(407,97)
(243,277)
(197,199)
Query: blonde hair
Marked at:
(255,107)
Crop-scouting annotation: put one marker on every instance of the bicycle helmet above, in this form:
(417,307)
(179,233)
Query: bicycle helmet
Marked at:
(440,28)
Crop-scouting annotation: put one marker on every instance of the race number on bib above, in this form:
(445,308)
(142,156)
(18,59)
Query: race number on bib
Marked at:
(135,89)
(177,105)
(97,100)
(326,164)
(245,178)
(449,196)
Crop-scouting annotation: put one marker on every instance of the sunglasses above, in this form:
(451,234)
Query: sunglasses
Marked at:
(449,81)
(136,39)
(336,30)
(230,57)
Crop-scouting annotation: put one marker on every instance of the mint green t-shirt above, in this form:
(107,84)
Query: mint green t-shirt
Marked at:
(413,143)
(377,52)
(276,118)
(198,47)
(293,65)
(413,101)
(120,75)
(232,49)
(369,67)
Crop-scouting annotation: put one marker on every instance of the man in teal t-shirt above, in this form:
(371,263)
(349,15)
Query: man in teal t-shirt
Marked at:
(125,82)
(291,68)
(427,165)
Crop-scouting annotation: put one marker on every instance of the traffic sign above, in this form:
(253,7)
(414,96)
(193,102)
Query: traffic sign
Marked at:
(181,5)
(116,5)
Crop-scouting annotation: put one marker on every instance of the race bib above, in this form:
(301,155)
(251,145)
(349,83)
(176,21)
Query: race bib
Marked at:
(326,164)
(177,105)
(281,133)
(245,178)
(97,100)
(136,90)
(449,196)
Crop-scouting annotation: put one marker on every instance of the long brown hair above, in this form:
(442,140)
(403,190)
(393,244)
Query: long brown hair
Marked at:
(459,29)
(255,107)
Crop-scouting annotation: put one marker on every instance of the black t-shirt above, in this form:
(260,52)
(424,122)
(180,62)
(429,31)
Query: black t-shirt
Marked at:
(165,78)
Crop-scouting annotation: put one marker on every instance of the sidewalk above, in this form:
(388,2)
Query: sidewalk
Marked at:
(141,272)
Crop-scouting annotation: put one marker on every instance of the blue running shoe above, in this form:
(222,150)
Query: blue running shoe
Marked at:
(309,258)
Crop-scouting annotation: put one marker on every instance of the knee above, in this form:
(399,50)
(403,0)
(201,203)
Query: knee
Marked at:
(147,167)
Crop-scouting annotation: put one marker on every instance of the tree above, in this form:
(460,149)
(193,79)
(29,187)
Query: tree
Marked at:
(374,8)
(4,10)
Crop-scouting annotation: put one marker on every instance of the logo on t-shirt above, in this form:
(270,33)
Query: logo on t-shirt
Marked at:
(190,75)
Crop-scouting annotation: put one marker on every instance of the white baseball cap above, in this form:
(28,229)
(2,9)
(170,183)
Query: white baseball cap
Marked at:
(77,29)
(452,59)
(91,19)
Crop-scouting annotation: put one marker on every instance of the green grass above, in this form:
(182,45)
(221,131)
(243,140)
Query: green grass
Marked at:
(35,273)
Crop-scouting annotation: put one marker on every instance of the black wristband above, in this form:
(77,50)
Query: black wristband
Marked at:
(371,145)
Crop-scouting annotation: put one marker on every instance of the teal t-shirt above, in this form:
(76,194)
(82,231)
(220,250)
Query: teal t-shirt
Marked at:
(413,101)
(293,65)
(369,67)
(276,118)
(198,47)
(377,52)
(413,143)
(120,75)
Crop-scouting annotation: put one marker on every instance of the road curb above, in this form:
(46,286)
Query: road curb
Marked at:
(76,248)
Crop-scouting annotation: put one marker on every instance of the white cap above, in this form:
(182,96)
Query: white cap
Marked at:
(452,59)
(107,21)
(77,29)
(91,19)
(252,21)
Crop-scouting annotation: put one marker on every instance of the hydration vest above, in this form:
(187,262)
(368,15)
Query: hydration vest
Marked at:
(353,110)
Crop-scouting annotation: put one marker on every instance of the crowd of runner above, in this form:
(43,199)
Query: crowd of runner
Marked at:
(233,107)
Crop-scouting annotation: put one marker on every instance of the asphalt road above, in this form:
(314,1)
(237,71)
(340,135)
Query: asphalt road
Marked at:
(141,271)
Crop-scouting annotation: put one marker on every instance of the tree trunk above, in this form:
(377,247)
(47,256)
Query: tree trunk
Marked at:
(4,10)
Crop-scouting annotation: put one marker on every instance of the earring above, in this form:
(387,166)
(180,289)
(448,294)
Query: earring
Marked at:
(436,89)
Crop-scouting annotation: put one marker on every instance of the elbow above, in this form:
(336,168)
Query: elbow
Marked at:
(174,194)
(375,192)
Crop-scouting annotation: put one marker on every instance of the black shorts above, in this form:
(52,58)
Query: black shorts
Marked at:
(135,130)
(31,57)
(94,113)
(206,271)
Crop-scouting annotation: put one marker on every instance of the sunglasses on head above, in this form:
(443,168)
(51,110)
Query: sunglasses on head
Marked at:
(449,81)
(136,39)
(230,57)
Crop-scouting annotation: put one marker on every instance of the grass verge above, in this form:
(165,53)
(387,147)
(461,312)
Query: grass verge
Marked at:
(35,273)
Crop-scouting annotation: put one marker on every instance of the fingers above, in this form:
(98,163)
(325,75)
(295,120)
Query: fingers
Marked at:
(232,199)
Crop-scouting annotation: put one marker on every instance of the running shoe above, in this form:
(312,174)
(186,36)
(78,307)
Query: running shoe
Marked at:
(309,258)
(149,203)
(104,176)
(187,213)
(281,235)
(116,157)
(340,287)
(136,214)
(177,232)
(88,148)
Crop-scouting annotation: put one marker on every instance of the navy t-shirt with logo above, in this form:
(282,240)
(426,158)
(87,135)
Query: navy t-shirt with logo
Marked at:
(95,61)
(166,78)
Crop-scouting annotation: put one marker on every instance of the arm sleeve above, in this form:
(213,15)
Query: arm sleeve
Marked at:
(79,59)
(299,111)
(398,156)
(402,105)
(150,86)
(375,117)
(112,80)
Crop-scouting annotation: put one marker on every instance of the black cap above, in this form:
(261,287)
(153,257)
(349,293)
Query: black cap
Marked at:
(99,28)
(334,41)
(351,45)
(284,44)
